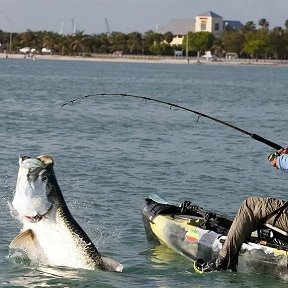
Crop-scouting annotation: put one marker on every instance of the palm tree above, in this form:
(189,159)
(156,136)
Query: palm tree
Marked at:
(134,43)
(49,39)
(263,23)
(29,39)
(248,27)
(218,47)
(77,42)
(286,24)
(105,43)
(278,30)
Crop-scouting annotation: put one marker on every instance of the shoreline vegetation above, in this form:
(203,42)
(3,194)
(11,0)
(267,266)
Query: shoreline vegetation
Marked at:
(257,44)
(148,59)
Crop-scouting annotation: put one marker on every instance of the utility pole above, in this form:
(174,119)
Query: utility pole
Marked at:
(74,26)
(107,27)
(187,47)
(10,41)
(62,26)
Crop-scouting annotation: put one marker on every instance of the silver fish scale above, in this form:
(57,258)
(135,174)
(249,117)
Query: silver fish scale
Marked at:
(88,247)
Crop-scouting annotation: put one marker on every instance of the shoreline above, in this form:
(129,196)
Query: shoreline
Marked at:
(149,59)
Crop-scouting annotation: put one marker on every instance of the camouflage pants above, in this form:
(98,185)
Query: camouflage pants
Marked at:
(252,211)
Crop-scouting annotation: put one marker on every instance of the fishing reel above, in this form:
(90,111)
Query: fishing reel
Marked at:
(273,156)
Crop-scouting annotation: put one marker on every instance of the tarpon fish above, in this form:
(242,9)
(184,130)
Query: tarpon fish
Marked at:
(50,235)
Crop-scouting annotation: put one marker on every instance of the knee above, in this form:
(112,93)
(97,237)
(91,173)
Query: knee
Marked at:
(251,202)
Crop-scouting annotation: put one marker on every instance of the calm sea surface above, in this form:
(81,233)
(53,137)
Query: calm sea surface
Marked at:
(111,152)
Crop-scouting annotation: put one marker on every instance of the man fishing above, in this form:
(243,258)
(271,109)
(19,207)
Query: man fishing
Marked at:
(254,212)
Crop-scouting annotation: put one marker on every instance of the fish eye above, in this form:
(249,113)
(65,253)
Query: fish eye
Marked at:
(45,178)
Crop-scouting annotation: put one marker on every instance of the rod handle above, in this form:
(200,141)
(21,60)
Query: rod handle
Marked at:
(265,141)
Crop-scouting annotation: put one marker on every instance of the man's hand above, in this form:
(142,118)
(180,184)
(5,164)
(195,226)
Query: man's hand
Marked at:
(283,151)
(273,156)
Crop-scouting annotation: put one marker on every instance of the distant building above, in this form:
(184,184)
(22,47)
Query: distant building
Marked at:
(207,21)
(179,28)
(232,24)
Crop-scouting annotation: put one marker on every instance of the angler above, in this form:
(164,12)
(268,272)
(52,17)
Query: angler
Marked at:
(193,235)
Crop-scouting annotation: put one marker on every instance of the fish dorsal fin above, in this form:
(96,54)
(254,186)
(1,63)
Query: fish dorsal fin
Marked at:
(24,240)
(111,264)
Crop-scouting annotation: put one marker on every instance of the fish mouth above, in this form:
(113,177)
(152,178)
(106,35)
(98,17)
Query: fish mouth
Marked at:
(38,217)
(34,219)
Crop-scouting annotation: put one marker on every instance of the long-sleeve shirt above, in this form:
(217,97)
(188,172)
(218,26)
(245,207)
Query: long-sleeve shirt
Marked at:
(282,162)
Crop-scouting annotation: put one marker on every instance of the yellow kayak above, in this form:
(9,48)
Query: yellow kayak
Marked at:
(199,234)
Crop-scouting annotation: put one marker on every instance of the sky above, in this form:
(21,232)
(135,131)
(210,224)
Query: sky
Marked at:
(129,15)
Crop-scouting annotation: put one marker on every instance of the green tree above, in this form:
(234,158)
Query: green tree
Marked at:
(135,43)
(77,42)
(257,44)
(233,41)
(162,49)
(168,37)
(118,42)
(278,43)
(155,49)
(200,41)
(151,38)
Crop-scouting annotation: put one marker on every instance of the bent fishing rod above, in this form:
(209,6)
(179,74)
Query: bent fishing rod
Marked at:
(200,114)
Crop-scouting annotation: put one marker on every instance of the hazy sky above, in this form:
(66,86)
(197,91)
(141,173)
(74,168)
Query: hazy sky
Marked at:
(129,15)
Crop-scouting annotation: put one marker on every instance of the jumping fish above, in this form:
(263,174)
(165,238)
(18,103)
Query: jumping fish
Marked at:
(50,234)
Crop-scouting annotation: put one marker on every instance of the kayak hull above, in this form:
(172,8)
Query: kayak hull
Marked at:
(187,234)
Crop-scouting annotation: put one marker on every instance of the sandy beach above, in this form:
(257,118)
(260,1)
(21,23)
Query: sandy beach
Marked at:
(147,59)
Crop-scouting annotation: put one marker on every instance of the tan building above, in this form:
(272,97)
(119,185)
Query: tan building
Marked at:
(207,21)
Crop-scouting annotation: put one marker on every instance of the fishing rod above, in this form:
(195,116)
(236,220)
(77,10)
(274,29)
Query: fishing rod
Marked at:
(200,114)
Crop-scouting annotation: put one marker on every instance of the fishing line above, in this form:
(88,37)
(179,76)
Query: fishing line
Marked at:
(200,114)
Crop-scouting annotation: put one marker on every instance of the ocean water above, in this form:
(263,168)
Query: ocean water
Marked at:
(110,152)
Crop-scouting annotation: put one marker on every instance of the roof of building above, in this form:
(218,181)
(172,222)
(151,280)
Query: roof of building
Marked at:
(178,26)
(232,24)
(210,14)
